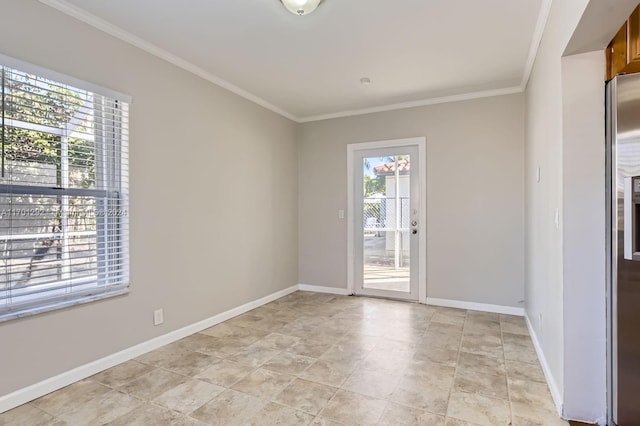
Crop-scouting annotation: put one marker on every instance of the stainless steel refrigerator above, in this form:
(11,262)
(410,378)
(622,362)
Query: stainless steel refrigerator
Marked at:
(623,245)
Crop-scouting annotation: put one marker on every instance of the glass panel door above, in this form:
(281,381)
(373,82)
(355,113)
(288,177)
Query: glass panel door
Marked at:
(386,208)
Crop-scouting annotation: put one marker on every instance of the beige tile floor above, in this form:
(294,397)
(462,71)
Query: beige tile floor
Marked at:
(316,359)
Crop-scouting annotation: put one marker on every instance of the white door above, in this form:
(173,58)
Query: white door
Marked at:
(387,228)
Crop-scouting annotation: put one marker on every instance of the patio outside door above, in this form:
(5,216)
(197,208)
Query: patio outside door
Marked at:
(387,220)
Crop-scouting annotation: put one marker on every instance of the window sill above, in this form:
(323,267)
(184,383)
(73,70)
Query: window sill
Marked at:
(61,303)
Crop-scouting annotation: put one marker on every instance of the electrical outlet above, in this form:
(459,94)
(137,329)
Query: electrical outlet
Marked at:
(158,317)
(540,321)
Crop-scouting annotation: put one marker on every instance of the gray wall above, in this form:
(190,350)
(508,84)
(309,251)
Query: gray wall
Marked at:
(543,269)
(213,199)
(475,195)
(583,246)
(565,267)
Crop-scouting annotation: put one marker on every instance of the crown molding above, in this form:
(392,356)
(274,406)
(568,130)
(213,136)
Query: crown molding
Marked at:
(117,32)
(419,103)
(538,32)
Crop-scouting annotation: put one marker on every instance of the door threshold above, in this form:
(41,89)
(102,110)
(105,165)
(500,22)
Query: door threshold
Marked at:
(384,298)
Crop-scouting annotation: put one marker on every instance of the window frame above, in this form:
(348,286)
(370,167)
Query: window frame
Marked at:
(115,136)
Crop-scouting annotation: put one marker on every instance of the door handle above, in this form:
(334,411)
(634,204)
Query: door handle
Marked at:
(628,218)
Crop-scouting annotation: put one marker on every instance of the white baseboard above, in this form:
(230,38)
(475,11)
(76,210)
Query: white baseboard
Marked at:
(551,382)
(44,387)
(484,307)
(321,289)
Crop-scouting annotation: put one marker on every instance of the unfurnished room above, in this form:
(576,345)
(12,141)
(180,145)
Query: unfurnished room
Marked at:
(320,212)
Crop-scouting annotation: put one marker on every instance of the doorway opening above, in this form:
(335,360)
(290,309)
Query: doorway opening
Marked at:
(387,219)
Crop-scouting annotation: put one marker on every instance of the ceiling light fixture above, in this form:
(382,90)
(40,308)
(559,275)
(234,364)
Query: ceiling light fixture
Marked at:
(301,7)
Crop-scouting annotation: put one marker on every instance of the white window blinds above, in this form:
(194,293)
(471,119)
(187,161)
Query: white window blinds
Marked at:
(63,195)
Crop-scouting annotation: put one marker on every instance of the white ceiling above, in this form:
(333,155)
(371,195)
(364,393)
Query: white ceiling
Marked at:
(414,51)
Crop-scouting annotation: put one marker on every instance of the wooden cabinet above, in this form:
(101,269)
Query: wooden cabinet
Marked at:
(623,53)
(617,53)
(633,37)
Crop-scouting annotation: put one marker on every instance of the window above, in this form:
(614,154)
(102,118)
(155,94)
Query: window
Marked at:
(63,192)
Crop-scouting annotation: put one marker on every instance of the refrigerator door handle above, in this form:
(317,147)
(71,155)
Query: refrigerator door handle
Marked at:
(628,218)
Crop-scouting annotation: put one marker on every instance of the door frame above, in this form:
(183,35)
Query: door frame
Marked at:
(421,144)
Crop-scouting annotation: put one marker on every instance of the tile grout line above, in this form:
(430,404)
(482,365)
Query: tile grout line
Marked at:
(30,403)
(506,372)
(455,371)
